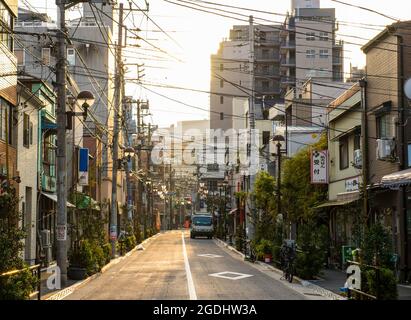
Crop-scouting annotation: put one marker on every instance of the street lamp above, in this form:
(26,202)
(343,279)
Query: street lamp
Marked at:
(128,153)
(278,139)
(85,99)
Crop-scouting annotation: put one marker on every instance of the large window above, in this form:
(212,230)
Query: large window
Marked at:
(344,154)
(6,27)
(5,123)
(383,126)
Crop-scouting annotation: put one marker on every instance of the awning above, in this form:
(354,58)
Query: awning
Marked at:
(233,211)
(397,179)
(53,197)
(334,204)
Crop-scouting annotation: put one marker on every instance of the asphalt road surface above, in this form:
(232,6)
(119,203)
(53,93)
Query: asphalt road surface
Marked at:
(173,266)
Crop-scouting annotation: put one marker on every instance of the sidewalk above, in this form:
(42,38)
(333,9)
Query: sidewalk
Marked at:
(333,280)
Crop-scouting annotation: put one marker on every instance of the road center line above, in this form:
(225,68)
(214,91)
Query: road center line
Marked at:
(190,283)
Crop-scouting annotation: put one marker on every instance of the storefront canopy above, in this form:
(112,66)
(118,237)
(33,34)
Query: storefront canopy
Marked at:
(335,203)
(53,197)
(397,179)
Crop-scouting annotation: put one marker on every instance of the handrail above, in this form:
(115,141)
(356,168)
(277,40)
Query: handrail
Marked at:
(36,267)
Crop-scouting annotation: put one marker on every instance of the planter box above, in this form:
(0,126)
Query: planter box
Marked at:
(75,273)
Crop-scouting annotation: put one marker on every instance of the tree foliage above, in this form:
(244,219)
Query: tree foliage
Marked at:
(299,196)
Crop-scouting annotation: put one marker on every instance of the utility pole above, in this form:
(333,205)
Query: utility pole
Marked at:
(61,213)
(117,104)
(251,122)
(140,141)
(364,147)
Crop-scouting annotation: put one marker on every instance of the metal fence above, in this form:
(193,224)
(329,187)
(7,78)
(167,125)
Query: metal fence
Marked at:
(35,271)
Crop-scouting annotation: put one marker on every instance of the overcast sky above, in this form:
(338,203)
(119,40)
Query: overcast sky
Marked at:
(199,34)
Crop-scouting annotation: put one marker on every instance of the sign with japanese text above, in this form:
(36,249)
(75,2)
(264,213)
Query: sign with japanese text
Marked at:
(319,167)
(61,232)
(352,184)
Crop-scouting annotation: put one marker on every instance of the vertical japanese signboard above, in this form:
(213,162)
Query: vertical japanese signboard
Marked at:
(83,167)
(319,167)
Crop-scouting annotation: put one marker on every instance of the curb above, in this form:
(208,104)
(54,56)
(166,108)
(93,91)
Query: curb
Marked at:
(69,290)
(323,292)
(307,284)
(229,247)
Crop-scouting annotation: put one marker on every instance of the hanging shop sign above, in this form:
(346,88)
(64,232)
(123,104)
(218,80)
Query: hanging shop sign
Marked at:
(319,167)
(83,166)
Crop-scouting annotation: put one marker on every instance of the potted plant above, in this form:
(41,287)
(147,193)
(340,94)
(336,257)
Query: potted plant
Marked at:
(79,262)
(265,247)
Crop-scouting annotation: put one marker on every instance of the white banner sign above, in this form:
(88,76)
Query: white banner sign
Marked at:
(319,167)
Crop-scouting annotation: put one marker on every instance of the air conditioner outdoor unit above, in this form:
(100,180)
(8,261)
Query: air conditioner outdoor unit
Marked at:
(357,158)
(385,148)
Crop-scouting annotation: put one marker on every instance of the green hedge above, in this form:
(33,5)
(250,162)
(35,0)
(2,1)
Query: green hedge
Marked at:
(387,284)
(18,287)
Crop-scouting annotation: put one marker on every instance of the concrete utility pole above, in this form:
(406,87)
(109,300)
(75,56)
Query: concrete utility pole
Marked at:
(117,104)
(61,145)
(364,147)
(139,184)
(251,177)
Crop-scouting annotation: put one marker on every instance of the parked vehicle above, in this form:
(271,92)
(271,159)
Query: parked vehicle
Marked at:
(202,225)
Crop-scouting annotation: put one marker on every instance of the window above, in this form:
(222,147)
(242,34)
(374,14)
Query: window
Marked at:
(344,154)
(266,137)
(221,83)
(221,99)
(5,115)
(310,54)
(26,130)
(238,34)
(6,25)
(221,115)
(71,57)
(310,36)
(265,53)
(324,53)
(324,36)
(383,126)
(45,56)
(266,69)
(357,141)
(20,55)
(265,85)
(263,36)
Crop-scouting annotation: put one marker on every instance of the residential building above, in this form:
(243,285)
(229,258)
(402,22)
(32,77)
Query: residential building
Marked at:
(27,117)
(8,92)
(231,75)
(389,134)
(309,46)
(345,171)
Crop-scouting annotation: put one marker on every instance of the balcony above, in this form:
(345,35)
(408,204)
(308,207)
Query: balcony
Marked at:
(289,62)
(267,58)
(288,45)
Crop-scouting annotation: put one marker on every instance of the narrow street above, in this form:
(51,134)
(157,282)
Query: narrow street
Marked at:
(161,272)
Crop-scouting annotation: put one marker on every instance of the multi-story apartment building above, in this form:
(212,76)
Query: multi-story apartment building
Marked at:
(309,47)
(231,75)
(389,135)
(8,90)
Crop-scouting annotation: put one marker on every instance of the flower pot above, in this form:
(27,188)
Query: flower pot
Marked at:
(268,257)
(76,273)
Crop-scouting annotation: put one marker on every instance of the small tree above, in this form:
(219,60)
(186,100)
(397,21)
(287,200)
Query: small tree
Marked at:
(19,286)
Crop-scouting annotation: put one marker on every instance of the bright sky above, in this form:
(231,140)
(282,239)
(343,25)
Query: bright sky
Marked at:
(199,34)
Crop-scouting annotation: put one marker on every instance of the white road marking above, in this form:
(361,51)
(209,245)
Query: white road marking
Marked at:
(226,275)
(190,283)
(210,255)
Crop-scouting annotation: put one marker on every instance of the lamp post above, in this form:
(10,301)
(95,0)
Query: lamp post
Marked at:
(278,139)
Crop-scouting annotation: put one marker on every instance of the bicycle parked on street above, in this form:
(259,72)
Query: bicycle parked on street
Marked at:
(287,258)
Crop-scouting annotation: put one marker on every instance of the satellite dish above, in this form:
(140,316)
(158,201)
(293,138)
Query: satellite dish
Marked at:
(407,88)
